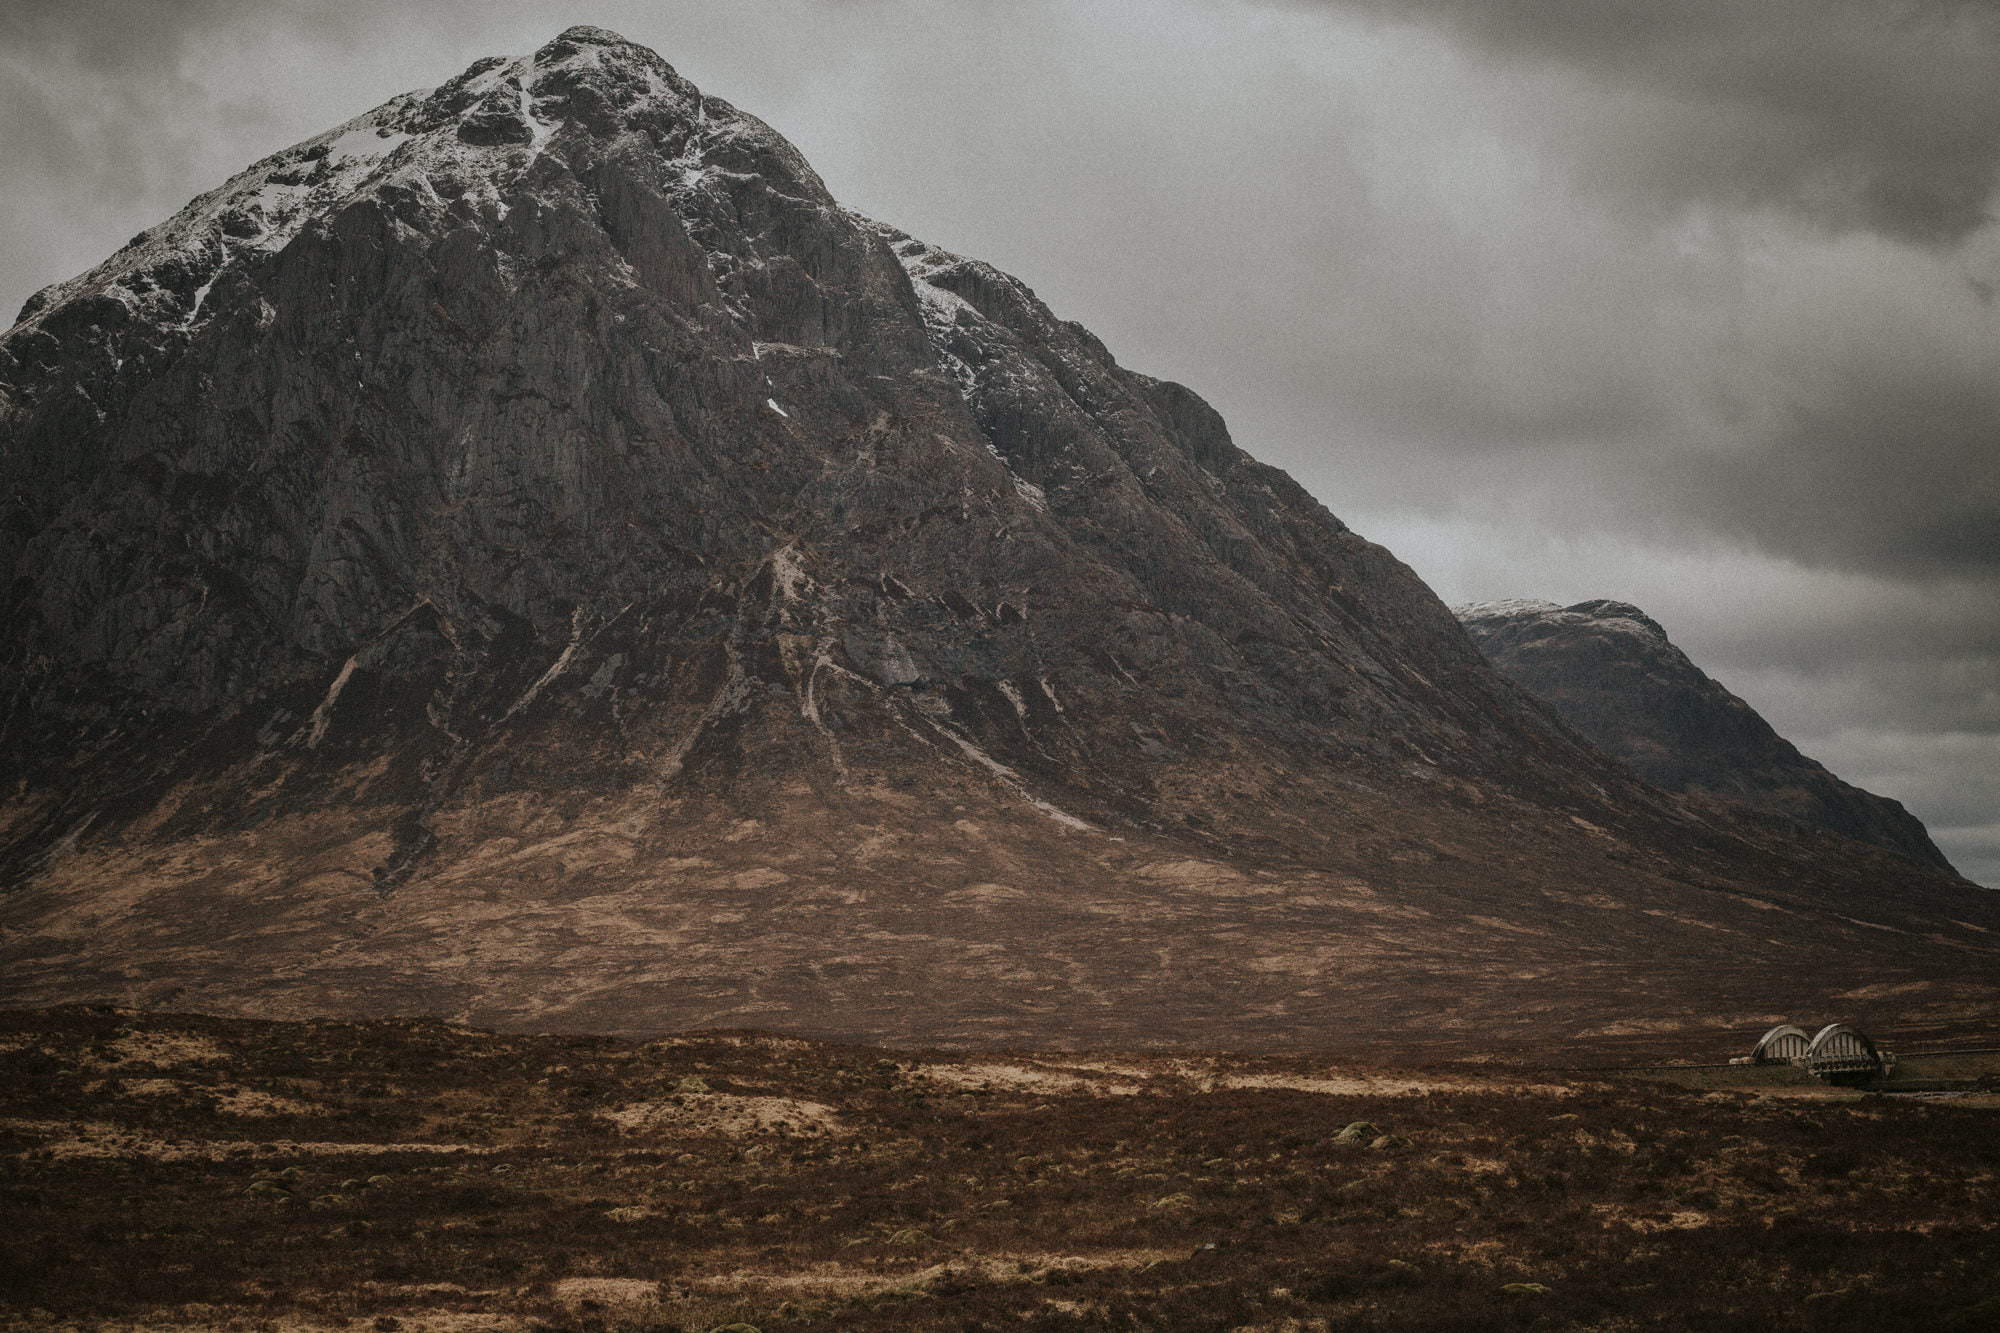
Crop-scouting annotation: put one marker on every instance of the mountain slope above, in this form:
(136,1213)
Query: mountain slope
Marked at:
(529,554)
(1611,672)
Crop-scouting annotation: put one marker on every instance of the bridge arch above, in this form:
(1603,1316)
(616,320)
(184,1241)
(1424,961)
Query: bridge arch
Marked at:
(1783,1044)
(1840,1051)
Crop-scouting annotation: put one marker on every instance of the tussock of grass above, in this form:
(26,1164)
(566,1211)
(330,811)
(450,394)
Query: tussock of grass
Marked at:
(1264,1195)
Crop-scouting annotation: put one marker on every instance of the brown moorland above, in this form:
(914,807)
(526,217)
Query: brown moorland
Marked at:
(178,1172)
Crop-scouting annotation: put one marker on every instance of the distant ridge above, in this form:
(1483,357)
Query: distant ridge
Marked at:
(1610,671)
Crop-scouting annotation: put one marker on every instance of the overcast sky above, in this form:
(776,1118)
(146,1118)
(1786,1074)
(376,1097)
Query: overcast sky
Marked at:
(1686,302)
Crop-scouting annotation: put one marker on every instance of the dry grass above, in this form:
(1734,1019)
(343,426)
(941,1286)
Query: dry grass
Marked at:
(436,1180)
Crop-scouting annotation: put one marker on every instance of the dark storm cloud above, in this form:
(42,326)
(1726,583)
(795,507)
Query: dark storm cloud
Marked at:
(1875,114)
(1895,469)
(1851,427)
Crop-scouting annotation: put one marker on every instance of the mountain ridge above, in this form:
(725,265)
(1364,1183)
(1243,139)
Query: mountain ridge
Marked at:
(1611,671)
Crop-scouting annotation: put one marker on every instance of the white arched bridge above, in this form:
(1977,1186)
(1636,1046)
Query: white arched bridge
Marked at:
(1836,1052)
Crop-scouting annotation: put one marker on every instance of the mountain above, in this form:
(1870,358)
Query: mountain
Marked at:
(527,554)
(1610,671)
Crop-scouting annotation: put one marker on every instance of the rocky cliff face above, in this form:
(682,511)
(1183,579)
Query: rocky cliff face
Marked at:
(1610,671)
(529,554)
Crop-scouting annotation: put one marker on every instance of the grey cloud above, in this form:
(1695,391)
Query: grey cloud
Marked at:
(1952,777)
(104,123)
(1950,695)
(1977,850)
(1880,468)
(1875,114)
(117,36)
(141,41)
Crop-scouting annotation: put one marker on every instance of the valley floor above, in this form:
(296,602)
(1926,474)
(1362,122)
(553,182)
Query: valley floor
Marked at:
(180,1172)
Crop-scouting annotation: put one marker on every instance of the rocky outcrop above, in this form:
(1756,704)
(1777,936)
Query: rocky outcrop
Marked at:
(1610,671)
(529,554)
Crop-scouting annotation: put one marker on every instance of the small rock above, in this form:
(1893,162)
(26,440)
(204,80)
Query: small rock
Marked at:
(1360,1131)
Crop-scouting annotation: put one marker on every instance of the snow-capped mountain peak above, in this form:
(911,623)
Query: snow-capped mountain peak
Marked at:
(452,142)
